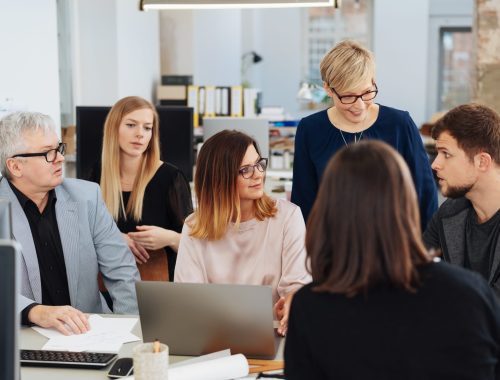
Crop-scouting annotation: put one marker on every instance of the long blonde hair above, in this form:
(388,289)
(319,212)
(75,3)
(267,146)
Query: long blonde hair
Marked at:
(110,160)
(215,183)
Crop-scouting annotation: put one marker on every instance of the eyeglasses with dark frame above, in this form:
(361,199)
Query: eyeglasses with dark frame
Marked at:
(50,155)
(351,99)
(248,170)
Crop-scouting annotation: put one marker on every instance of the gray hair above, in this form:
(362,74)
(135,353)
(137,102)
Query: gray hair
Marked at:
(12,130)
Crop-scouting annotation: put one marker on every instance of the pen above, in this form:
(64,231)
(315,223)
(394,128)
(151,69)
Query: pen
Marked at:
(275,376)
(156,346)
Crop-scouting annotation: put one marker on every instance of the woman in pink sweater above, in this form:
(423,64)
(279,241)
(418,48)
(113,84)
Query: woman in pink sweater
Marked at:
(238,234)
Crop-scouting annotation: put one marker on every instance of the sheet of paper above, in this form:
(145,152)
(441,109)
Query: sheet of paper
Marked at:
(198,359)
(105,335)
(97,324)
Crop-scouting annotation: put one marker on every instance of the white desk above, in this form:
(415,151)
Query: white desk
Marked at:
(30,339)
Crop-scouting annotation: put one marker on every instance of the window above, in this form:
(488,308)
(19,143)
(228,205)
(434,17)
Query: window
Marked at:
(328,26)
(456,69)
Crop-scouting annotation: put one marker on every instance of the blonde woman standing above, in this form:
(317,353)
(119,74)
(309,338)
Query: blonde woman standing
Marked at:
(238,234)
(348,74)
(147,197)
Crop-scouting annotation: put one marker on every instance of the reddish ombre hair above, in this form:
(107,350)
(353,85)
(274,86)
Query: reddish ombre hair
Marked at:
(215,183)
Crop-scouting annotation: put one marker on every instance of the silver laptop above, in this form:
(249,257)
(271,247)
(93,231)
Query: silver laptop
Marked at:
(196,319)
(256,128)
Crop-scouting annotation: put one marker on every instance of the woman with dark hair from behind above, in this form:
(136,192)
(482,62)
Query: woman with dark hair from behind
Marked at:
(379,307)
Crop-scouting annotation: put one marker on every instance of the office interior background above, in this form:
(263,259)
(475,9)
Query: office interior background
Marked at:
(58,54)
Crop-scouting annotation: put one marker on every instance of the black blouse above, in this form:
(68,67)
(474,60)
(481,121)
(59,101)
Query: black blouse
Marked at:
(167,202)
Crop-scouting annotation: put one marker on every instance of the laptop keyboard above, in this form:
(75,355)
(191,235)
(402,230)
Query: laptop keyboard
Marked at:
(40,358)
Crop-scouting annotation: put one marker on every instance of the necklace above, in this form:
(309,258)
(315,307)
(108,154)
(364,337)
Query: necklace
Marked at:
(356,138)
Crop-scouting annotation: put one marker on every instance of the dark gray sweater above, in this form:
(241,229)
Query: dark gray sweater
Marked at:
(447,232)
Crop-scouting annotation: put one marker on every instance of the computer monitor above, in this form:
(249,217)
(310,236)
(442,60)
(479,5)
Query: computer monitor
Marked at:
(5,219)
(257,128)
(9,287)
(176,137)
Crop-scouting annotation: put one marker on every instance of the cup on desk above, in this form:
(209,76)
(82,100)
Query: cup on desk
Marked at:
(150,365)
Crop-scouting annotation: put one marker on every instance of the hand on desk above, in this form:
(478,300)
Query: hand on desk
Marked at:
(281,310)
(65,319)
(153,237)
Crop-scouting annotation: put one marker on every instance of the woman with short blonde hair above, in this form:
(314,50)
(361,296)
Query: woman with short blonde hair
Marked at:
(238,234)
(348,74)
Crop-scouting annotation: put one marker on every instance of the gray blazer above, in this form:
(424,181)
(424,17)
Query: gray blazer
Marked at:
(446,231)
(91,243)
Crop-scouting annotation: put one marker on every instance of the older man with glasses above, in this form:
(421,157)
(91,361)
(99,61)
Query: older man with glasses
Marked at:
(66,233)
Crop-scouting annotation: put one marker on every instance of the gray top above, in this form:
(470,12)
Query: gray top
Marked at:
(91,243)
(447,232)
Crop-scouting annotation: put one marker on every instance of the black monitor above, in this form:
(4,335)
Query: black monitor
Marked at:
(176,137)
(5,219)
(9,317)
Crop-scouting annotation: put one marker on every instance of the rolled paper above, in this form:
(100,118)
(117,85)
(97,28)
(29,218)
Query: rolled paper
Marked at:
(226,368)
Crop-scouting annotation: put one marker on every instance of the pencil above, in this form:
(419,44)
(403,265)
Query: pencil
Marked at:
(156,346)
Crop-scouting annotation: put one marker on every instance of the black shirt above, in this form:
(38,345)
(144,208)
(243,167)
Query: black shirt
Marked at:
(167,202)
(448,329)
(48,246)
(481,240)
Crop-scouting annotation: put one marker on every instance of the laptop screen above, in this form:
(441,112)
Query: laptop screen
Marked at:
(197,319)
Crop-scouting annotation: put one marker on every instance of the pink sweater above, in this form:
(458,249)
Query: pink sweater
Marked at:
(269,252)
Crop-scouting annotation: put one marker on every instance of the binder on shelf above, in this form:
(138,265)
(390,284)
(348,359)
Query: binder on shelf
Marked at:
(192,101)
(251,102)
(222,101)
(209,101)
(201,100)
(218,101)
(236,101)
(226,105)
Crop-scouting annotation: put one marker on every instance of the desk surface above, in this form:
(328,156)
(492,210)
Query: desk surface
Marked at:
(30,339)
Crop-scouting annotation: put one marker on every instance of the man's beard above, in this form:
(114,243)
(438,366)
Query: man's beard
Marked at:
(456,191)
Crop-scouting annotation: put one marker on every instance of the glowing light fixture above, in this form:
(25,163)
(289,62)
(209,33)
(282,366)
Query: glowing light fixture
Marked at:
(227,4)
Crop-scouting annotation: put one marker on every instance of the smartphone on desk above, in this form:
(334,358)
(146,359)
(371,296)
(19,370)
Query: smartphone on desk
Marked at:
(122,367)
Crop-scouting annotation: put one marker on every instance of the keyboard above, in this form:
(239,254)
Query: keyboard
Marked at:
(67,359)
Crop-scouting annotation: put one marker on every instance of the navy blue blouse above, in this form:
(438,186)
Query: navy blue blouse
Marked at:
(317,140)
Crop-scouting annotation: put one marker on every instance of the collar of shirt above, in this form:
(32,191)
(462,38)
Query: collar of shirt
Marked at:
(26,202)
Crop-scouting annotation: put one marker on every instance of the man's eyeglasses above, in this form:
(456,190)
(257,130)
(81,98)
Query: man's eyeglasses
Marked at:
(248,170)
(350,99)
(50,155)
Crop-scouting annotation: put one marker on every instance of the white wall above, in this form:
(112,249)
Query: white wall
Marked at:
(116,51)
(138,53)
(278,38)
(400,38)
(95,74)
(29,58)
(176,42)
(217,47)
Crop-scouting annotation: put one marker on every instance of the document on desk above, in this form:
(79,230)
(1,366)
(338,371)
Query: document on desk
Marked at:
(105,335)
(219,365)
